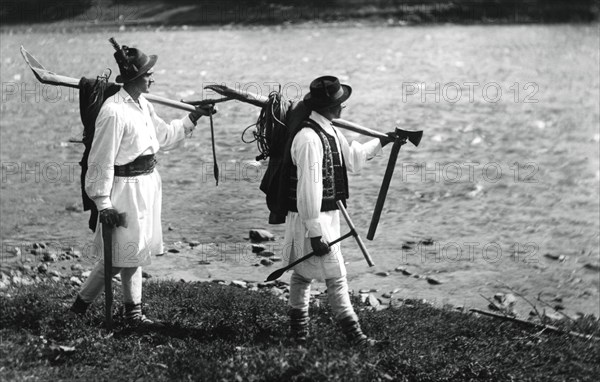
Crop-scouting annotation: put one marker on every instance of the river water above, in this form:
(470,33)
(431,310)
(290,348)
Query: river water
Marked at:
(505,178)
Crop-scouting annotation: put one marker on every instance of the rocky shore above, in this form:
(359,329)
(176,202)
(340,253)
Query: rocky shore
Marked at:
(44,264)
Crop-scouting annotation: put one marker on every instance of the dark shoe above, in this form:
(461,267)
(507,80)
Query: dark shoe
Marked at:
(298,325)
(353,332)
(133,315)
(79,307)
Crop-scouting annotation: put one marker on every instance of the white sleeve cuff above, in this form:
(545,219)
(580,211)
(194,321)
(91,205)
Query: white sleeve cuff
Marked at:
(103,202)
(313,228)
(188,126)
(187,122)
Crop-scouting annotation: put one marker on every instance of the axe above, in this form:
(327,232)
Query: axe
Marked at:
(402,136)
(278,273)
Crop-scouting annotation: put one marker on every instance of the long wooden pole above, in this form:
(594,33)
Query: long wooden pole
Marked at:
(47,77)
(108,292)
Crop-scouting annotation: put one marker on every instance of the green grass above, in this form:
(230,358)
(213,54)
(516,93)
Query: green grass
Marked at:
(214,332)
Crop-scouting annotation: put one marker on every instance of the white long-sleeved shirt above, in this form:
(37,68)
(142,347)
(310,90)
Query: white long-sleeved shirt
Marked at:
(124,131)
(307,155)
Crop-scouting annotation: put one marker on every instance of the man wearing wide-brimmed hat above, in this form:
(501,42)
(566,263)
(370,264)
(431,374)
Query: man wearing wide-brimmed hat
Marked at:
(122,179)
(319,158)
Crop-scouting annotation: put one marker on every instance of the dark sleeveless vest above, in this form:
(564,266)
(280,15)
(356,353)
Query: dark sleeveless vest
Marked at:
(334,175)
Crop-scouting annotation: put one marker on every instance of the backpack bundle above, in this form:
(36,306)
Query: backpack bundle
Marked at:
(92,94)
(278,122)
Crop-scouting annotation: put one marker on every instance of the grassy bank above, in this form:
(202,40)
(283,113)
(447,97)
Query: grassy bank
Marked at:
(216,332)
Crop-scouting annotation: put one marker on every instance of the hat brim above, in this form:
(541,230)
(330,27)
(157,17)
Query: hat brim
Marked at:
(143,70)
(317,104)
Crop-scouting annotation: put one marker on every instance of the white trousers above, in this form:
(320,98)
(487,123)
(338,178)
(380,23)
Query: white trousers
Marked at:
(131,283)
(337,295)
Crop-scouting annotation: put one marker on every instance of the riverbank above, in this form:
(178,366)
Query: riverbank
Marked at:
(224,332)
(94,14)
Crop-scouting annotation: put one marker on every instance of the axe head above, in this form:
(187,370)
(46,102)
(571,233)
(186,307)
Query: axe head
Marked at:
(413,136)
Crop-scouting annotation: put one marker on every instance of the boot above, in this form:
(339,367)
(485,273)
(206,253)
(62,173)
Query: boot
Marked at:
(353,332)
(133,315)
(79,307)
(298,324)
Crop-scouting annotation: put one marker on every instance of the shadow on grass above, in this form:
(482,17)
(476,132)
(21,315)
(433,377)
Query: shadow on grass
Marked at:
(215,332)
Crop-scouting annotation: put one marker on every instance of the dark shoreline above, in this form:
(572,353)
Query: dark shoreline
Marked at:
(94,14)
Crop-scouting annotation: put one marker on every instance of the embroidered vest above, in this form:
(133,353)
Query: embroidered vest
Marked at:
(334,175)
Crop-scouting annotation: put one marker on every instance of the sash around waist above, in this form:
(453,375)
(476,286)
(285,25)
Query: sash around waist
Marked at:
(141,165)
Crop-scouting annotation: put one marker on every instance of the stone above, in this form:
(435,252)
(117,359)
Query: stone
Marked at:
(194,243)
(86,274)
(386,295)
(275,258)
(551,256)
(364,290)
(266,254)
(39,246)
(75,281)
(427,241)
(204,262)
(373,301)
(42,268)
(261,235)
(266,262)
(406,272)
(554,316)
(265,284)
(239,283)
(27,281)
(383,274)
(433,281)
(395,291)
(173,250)
(15,251)
(406,246)
(503,302)
(76,268)
(399,269)
(25,268)
(592,267)
(54,273)
(256,248)
(50,257)
(146,275)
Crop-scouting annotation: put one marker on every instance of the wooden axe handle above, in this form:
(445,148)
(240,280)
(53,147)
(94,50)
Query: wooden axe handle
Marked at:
(108,292)
(361,244)
(389,171)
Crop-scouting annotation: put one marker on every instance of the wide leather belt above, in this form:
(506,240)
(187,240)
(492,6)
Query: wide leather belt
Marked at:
(142,165)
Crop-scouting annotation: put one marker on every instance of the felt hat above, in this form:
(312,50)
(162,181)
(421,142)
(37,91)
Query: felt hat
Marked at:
(325,92)
(133,63)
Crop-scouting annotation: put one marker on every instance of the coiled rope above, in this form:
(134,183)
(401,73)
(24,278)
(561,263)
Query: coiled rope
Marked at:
(268,125)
